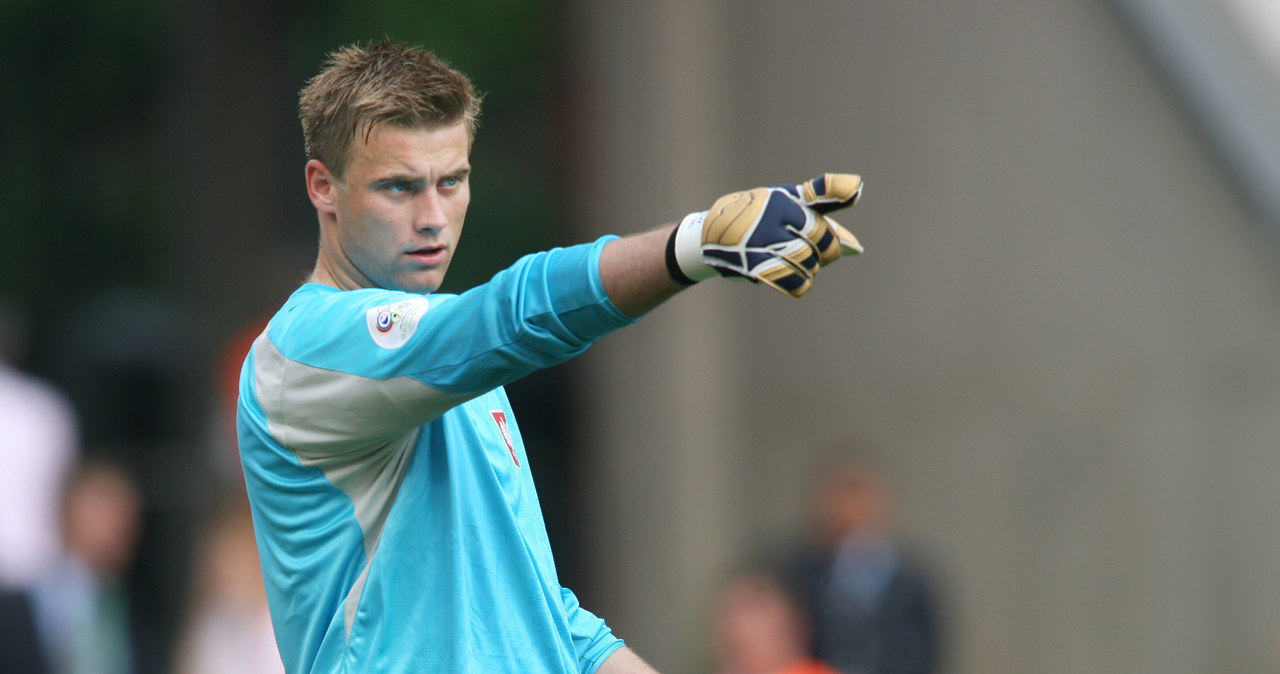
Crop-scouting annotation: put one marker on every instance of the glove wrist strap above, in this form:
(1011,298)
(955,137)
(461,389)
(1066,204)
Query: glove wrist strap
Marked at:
(673,267)
(684,251)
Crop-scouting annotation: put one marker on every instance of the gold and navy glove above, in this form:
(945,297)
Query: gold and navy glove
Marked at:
(779,236)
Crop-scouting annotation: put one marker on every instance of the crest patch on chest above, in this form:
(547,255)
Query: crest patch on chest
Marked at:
(500,418)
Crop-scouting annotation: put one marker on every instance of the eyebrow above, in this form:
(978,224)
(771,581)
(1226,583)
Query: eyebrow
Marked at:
(416,180)
(460,173)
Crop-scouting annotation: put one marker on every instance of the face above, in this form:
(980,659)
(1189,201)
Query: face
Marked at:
(852,498)
(757,628)
(394,219)
(103,515)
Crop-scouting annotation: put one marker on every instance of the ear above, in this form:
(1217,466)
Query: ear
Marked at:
(321,186)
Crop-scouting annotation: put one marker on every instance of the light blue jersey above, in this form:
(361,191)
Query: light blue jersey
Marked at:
(396,517)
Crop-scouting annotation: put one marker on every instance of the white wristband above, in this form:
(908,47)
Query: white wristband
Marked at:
(688,248)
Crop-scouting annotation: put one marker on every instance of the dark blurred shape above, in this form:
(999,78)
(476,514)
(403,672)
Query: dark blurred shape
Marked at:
(19,641)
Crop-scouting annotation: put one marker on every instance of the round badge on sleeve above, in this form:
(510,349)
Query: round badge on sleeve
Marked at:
(392,325)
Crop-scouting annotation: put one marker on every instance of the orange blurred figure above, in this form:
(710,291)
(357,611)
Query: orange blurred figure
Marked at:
(759,629)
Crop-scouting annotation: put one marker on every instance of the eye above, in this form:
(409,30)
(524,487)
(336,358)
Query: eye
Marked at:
(398,186)
(449,182)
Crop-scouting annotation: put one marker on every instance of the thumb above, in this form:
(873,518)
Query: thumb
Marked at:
(849,244)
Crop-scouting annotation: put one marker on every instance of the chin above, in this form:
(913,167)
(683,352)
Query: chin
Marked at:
(422,286)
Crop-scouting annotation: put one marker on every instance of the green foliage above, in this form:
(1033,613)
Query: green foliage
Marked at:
(77,81)
(495,40)
(81,88)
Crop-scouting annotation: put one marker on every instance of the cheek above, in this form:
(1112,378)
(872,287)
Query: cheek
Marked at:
(364,226)
(460,204)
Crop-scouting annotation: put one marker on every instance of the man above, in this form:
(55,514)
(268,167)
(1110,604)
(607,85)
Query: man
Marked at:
(82,602)
(875,607)
(393,505)
(76,617)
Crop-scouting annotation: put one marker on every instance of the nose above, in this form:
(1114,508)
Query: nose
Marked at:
(430,216)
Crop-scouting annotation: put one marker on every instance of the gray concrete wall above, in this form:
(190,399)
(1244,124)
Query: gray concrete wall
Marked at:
(1062,334)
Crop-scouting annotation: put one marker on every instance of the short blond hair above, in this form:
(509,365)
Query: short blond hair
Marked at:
(360,87)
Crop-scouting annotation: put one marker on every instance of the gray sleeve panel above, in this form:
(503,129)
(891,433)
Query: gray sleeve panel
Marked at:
(321,413)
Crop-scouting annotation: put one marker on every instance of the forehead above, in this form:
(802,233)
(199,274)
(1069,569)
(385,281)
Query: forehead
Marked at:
(411,149)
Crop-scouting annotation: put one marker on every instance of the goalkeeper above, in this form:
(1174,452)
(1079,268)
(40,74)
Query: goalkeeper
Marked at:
(393,505)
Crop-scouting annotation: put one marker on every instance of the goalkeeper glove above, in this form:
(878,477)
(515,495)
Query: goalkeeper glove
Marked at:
(779,236)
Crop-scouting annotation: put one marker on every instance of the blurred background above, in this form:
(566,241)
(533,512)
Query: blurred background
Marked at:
(1060,345)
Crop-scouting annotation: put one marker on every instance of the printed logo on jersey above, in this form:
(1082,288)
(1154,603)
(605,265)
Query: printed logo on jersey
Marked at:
(500,418)
(392,325)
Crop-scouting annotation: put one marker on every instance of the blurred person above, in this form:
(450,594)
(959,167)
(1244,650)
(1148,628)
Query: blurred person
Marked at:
(80,603)
(396,517)
(758,628)
(873,606)
(229,629)
(39,437)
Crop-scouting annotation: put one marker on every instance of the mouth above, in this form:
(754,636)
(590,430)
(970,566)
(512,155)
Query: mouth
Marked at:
(429,256)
